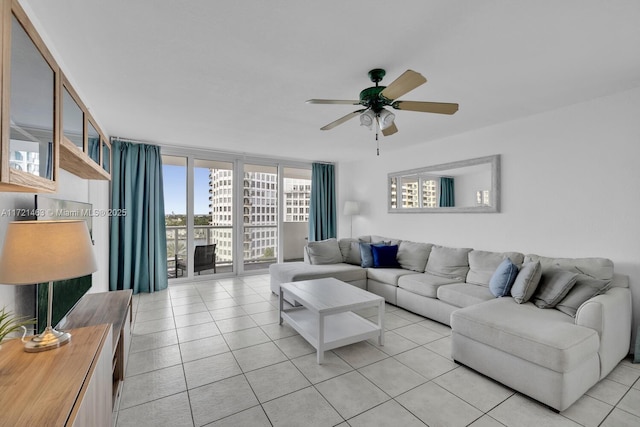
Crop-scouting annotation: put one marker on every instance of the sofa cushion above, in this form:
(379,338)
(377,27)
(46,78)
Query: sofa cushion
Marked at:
(424,284)
(413,256)
(598,268)
(547,338)
(482,265)
(464,294)
(385,240)
(384,256)
(388,276)
(296,271)
(526,282)
(503,278)
(586,287)
(324,252)
(449,262)
(554,285)
(350,249)
(366,255)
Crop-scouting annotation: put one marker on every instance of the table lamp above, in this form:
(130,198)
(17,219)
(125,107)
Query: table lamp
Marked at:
(46,251)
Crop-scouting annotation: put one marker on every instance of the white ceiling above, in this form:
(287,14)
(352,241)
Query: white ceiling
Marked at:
(234,75)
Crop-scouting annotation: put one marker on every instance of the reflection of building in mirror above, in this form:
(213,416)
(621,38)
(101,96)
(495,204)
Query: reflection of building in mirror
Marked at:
(482,198)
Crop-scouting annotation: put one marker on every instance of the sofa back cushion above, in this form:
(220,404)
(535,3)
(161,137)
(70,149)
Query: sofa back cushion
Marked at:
(413,256)
(448,262)
(598,268)
(483,264)
(350,250)
(384,240)
(586,287)
(324,252)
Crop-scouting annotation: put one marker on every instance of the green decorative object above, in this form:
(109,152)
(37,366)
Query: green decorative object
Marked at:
(9,322)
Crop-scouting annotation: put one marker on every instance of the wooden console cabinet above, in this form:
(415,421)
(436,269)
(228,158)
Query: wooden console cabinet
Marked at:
(107,307)
(66,386)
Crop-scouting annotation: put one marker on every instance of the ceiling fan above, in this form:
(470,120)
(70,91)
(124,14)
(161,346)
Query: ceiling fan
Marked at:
(375,98)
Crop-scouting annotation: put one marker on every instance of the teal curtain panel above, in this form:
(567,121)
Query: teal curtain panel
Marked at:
(447,195)
(138,253)
(322,212)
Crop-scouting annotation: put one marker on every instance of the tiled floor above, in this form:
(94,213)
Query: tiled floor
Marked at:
(212,353)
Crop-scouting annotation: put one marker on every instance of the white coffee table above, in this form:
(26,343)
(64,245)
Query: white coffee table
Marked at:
(325,318)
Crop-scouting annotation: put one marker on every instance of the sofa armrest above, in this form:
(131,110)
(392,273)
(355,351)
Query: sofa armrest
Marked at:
(609,314)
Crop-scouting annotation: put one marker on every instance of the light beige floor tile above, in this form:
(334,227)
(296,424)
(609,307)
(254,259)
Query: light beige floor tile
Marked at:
(205,347)
(330,368)
(624,375)
(153,305)
(171,411)
(620,418)
(210,369)
(418,334)
(276,380)
(391,321)
(441,346)
(182,291)
(436,326)
(476,389)
(245,338)
(152,385)
(277,331)
(192,319)
(393,343)
(390,413)
(254,417)
(150,360)
(197,332)
(437,407)
(631,402)
(295,346)
(219,400)
(486,421)
(360,354)
(351,394)
(159,313)
(392,377)
(228,312)
(305,406)
(519,410)
(259,356)
(235,324)
(608,391)
(151,341)
(266,318)
(412,317)
(249,297)
(425,362)
(192,299)
(220,303)
(588,411)
(189,309)
(152,326)
(258,307)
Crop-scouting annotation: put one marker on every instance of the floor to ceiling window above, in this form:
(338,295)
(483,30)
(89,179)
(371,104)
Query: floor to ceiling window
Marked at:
(247,220)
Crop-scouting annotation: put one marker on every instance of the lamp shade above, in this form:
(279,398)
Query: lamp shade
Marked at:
(42,251)
(351,208)
(386,118)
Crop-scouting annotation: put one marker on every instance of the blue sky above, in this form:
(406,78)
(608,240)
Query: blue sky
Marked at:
(175,190)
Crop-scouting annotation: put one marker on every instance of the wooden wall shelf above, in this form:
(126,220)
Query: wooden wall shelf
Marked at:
(78,163)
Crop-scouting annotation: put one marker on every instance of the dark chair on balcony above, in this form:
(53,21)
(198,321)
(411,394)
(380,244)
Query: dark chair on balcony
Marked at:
(203,259)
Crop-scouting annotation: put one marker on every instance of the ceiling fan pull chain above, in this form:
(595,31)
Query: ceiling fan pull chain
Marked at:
(377,143)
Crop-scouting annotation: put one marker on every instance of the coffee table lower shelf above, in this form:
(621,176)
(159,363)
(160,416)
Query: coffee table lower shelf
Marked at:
(339,329)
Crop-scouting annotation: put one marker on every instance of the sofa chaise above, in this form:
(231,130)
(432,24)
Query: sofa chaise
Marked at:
(552,354)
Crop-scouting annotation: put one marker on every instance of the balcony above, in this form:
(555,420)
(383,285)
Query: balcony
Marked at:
(259,247)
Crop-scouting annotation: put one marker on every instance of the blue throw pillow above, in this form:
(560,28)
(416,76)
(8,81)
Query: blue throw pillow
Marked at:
(503,278)
(385,256)
(366,256)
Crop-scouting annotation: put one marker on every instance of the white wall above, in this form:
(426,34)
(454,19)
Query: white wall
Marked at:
(70,187)
(570,182)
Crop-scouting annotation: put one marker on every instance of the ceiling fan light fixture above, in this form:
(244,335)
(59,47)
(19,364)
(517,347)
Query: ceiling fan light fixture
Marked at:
(367,118)
(386,118)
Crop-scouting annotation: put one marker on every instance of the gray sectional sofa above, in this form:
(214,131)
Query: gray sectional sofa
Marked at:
(552,354)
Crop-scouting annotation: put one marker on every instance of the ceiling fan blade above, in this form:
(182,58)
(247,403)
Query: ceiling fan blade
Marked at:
(332,101)
(426,107)
(343,119)
(390,130)
(408,81)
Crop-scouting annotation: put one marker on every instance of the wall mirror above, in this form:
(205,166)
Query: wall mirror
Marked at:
(72,120)
(466,186)
(32,114)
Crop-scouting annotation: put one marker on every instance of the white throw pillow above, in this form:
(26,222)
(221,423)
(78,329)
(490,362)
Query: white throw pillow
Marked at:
(324,252)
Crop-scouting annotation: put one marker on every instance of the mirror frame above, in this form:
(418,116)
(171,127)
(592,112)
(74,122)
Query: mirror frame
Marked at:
(494,196)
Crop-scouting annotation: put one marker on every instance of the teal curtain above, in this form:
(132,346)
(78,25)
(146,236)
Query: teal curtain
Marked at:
(138,253)
(447,198)
(322,212)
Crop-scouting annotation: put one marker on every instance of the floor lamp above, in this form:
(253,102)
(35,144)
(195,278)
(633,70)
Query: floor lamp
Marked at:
(351,208)
(46,251)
